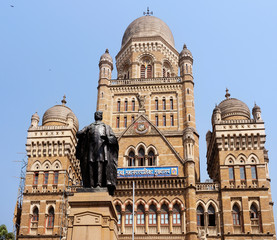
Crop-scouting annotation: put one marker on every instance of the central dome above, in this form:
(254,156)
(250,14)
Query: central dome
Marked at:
(148,26)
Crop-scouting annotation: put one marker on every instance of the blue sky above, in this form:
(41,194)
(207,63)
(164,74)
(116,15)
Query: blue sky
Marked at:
(49,48)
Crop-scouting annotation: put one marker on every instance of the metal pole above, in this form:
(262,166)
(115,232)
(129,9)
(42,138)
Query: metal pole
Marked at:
(133,232)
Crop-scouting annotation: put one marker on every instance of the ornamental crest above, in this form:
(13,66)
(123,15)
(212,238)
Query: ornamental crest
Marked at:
(141,127)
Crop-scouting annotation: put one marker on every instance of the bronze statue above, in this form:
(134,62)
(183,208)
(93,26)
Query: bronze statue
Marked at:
(97,150)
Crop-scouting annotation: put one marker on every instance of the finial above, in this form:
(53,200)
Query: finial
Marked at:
(148,13)
(107,50)
(227,95)
(63,101)
(185,46)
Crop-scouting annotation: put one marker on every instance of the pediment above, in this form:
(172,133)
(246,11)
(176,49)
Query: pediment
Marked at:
(87,218)
(142,126)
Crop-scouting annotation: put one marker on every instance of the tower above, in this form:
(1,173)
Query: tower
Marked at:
(52,168)
(238,160)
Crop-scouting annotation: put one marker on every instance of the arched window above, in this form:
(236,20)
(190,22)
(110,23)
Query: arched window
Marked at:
(56,177)
(125,121)
(164,104)
(171,103)
(118,105)
(176,215)
(152,215)
(45,178)
(253,212)
(236,215)
(163,72)
(168,74)
(211,214)
(200,216)
(157,104)
(131,159)
(172,120)
(51,217)
(119,214)
(141,157)
(129,215)
(117,122)
(35,182)
(140,215)
(133,105)
(151,158)
(149,71)
(157,120)
(126,105)
(164,120)
(142,71)
(164,214)
(35,215)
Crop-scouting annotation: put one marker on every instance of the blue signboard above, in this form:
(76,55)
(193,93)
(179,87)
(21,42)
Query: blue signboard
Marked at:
(147,172)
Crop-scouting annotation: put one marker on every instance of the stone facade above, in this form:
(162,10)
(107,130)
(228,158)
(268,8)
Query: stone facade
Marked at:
(150,107)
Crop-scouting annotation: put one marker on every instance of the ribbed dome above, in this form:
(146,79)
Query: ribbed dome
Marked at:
(148,26)
(58,115)
(232,108)
(106,57)
(185,52)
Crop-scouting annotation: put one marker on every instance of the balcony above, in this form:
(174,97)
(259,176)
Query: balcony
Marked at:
(142,81)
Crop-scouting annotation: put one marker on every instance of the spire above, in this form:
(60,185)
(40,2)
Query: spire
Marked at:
(227,95)
(185,46)
(148,13)
(107,50)
(64,101)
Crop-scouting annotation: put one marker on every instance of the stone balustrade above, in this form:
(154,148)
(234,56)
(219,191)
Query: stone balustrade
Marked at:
(138,81)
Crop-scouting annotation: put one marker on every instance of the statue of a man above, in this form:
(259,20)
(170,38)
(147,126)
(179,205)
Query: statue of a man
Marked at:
(97,150)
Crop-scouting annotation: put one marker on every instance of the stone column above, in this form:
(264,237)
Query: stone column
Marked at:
(159,221)
(146,222)
(170,221)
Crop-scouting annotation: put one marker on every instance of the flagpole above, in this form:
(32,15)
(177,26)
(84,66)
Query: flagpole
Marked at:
(133,231)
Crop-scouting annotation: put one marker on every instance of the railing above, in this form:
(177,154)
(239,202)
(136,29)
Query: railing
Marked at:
(164,229)
(206,187)
(177,230)
(137,81)
(140,230)
(173,183)
(212,231)
(128,229)
(152,229)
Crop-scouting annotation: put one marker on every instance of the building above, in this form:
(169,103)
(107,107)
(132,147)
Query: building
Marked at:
(150,107)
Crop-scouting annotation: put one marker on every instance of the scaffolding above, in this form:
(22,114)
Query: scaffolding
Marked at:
(18,207)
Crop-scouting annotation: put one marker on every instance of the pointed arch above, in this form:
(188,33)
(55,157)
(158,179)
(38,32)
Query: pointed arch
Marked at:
(36,166)
(253,159)
(179,202)
(230,159)
(241,159)
(46,165)
(57,165)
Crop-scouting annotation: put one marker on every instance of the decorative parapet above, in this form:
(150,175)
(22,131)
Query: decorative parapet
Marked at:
(201,187)
(139,81)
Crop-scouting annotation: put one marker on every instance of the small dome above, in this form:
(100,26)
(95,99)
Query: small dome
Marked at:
(58,115)
(256,108)
(232,108)
(35,116)
(185,52)
(148,26)
(106,57)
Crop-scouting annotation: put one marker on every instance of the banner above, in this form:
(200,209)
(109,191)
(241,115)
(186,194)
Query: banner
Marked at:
(147,172)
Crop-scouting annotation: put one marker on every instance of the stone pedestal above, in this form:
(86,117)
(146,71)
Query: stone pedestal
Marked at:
(92,215)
